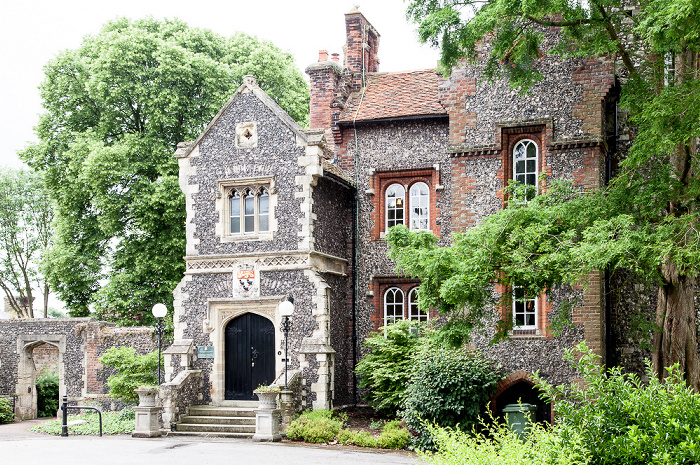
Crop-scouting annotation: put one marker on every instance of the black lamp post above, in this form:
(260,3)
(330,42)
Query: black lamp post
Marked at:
(286,310)
(159,311)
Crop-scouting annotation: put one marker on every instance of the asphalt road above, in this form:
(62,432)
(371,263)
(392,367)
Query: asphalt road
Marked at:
(20,446)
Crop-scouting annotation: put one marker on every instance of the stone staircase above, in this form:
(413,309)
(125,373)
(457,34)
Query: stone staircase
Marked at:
(235,420)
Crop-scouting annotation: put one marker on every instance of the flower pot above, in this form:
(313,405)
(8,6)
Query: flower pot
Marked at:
(268,399)
(147,397)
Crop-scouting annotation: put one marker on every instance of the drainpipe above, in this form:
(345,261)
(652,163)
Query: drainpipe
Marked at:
(356,231)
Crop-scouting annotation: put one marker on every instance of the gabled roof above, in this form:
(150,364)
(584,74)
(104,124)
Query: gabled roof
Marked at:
(249,85)
(395,95)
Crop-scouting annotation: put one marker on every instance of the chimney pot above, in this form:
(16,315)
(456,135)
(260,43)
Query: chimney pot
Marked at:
(322,55)
(335,56)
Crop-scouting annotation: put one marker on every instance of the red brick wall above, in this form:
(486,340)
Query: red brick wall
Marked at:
(596,78)
(452,93)
(45,358)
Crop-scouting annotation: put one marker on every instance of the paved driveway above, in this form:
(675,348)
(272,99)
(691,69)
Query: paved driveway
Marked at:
(17,445)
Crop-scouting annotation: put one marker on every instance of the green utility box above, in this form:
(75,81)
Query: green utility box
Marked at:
(519,417)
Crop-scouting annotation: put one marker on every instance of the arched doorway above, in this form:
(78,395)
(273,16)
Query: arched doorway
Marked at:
(525,392)
(26,403)
(249,352)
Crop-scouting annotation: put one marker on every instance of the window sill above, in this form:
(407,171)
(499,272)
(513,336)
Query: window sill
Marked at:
(247,238)
(526,333)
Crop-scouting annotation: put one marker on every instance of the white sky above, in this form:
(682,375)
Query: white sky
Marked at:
(34,31)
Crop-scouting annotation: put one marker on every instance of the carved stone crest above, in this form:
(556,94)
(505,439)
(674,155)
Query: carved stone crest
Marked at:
(246,280)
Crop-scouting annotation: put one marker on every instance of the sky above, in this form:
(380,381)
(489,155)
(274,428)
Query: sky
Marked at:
(35,31)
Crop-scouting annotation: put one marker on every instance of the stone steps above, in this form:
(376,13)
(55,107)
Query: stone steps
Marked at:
(235,420)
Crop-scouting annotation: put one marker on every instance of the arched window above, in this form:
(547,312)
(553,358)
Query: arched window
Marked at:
(393,305)
(419,204)
(415,313)
(395,199)
(524,309)
(525,165)
(249,211)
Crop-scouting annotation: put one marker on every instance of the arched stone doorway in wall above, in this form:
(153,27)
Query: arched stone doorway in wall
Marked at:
(519,388)
(249,355)
(26,403)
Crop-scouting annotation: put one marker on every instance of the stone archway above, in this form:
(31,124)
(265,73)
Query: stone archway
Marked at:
(26,403)
(519,387)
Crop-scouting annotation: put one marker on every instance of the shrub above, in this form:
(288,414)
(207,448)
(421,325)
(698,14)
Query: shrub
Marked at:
(624,420)
(112,423)
(6,413)
(47,394)
(449,387)
(132,371)
(394,436)
(316,426)
(541,446)
(385,370)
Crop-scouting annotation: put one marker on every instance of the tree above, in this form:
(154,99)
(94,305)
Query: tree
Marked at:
(645,220)
(25,233)
(115,110)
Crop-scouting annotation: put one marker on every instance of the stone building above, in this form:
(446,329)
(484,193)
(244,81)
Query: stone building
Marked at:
(274,210)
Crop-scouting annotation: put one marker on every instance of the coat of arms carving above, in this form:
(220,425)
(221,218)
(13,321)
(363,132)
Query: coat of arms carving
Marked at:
(246,281)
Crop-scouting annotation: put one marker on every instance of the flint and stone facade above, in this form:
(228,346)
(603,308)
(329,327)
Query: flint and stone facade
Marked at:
(329,209)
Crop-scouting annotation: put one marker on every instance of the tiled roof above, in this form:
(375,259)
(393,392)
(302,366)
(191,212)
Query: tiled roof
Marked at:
(396,95)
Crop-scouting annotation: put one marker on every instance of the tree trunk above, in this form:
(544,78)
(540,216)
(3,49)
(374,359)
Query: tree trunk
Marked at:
(675,340)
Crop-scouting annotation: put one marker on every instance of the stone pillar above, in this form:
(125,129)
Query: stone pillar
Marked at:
(267,425)
(286,409)
(147,423)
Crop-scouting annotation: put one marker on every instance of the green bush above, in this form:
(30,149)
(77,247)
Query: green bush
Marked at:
(132,371)
(449,387)
(394,436)
(6,413)
(356,438)
(385,370)
(541,446)
(47,394)
(318,426)
(624,420)
(112,423)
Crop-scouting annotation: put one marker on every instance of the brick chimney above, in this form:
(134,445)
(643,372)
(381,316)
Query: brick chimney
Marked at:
(361,46)
(324,78)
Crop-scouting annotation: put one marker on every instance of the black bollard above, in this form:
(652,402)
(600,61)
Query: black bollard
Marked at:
(64,409)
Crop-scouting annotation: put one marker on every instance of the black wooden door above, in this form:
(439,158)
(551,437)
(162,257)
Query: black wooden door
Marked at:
(249,354)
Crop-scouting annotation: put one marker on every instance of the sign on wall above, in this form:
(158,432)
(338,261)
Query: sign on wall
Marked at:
(205,351)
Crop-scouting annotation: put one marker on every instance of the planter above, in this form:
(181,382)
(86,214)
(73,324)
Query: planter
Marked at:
(147,397)
(268,399)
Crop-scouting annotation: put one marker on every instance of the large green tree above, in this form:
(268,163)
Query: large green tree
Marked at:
(115,110)
(25,234)
(645,220)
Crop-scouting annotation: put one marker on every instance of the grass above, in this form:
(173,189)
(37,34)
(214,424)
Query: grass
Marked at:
(121,422)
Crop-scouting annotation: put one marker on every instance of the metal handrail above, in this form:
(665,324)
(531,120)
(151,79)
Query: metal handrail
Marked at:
(64,409)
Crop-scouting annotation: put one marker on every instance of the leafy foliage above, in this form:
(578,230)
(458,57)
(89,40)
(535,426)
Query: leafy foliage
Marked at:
(317,426)
(501,446)
(385,371)
(121,422)
(647,218)
(25,233)
(133,370)
(393,436)
(449,387)
(47,394)
(6,413)
(115,110)
(622,419)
